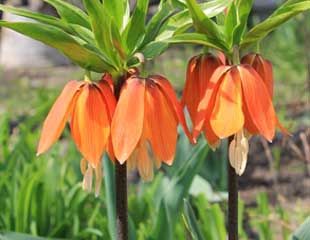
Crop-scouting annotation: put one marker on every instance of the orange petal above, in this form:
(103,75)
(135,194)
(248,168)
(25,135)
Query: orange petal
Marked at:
(127,123)
(258,102)
(206,103)
(167,89)
(227,116)
(90,124)
(110,101)
(208,65)
(189,99)
(108,96)
(58,116)
(262,67)
(109,80)
(160,124)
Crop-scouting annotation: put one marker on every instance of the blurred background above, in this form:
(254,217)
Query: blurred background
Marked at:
(42,196)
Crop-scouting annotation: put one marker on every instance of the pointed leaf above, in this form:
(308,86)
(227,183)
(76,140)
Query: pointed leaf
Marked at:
(70,13)
(192,223)
(43,18)
(135,29)
(63,42)
(196,38)
(202,23)
(102,24)
(283,14)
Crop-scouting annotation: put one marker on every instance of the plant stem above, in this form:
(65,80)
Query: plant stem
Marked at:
(121,201)
(233,181)
(121,186)
(232,202)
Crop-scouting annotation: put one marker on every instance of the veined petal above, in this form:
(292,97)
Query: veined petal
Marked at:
(108,97)
(109,80)
(227,116)
(258,102)
(190,98)
(263,67)
(160,123)
(127,123)
(207,102)
(58,116)
(168,91)
(90,124)
(208,65)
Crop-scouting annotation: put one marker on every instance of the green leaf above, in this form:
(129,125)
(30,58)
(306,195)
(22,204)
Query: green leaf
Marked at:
(154,49)
(191,222)
(70,13)
(63,42)
(20,236)
(303,232)
(244,8)
(171,194)
(163,12)
(196,38)
(102,24)
(231,22)
(283,14)
(181,21)
(46,19)
(117,9)
(203,23)
(109,183)
(134,32)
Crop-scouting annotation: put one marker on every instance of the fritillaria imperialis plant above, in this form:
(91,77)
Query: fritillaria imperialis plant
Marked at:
(134,117)
(234,96)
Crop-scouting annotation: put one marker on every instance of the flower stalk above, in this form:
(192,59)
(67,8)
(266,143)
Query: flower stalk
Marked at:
(121,186)
(233,180)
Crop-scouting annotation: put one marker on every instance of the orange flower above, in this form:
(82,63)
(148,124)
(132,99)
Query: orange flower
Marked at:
(89,107)
(144,126)
(200,69)
(236,99)
(264,68)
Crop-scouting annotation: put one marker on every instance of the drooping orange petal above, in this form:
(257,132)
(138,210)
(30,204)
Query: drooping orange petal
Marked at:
(208,65)
(168,91)
(263,67)
(257,99)
(190,96)
(227,116)
(109,80)
(160,123)
(206,103)
(90,124)
(108,96)
(127,123)
(110,101)
(58,116)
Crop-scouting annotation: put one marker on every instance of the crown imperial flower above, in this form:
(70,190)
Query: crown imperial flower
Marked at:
(89,108)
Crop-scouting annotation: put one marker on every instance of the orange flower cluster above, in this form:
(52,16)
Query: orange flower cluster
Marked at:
(140,127)
(231,101)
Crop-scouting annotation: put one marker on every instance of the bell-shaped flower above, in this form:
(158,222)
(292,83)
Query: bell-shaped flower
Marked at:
(144,126)
(89,107)
(236,102)
(199,71)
